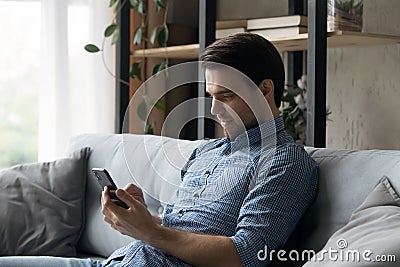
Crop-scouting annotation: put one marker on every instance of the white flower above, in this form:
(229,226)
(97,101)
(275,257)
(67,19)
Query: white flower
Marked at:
(302,82)
(300,101)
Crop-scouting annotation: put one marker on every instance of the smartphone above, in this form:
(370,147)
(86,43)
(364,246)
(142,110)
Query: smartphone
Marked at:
(104,179)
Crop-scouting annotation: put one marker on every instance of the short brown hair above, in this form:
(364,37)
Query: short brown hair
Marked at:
(252,55)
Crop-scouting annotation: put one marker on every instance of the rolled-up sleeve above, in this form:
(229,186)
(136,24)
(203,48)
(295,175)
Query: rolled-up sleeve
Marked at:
(285,186)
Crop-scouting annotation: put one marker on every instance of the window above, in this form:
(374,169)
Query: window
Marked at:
(19,81)
(51,89)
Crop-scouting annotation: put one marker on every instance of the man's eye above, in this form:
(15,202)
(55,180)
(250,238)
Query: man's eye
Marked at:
(227,96)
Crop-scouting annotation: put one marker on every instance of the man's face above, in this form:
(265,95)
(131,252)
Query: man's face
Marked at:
(233,102)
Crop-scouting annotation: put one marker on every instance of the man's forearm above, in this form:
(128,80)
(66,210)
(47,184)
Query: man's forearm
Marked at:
(196,249)
(157,219)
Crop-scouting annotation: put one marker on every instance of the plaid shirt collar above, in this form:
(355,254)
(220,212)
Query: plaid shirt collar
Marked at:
(264,133)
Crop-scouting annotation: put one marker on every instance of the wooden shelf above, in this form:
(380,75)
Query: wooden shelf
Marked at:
(345,38)
(180,51)
(293,43)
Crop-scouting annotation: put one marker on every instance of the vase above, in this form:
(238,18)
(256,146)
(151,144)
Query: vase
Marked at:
(345,15)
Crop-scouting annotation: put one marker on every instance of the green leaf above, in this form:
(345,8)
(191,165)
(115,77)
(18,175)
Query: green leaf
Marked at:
(137,39)
(160,3)
(142,111)
(110,30)
(134,3)
(163,36)
(112,2)
(136,71)
(91,48)
(153,35)
(149,129)
(287,98)
(115,36)
(295,91)
(140,7)
(157,69)
(159,105)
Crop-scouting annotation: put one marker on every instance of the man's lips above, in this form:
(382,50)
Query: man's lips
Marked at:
(225,121)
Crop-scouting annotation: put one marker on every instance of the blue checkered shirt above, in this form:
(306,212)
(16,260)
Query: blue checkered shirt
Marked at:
(253,190)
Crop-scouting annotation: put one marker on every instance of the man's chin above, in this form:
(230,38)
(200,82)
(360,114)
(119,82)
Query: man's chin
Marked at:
(226,133)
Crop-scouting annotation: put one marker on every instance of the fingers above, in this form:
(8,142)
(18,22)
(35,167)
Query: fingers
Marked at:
(133,190)
(136,192)
(109,208)
(130,200)
(129,187)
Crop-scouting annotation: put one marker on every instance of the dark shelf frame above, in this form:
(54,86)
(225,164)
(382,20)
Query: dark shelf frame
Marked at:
(207,19)
(295,59)
(122,67)
(316,73)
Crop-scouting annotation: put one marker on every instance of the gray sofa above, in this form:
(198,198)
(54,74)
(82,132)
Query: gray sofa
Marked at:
(346,178)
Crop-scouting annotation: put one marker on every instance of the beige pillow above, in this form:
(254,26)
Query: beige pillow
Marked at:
(371,237)
(41,206)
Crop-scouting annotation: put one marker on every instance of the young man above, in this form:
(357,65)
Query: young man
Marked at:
(239,194)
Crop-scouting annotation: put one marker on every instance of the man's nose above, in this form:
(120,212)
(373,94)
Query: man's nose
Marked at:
(217,107)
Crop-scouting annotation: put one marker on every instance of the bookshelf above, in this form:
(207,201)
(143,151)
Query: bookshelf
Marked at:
(294,43)
(315,42)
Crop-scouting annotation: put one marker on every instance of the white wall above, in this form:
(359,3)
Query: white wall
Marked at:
(363,86)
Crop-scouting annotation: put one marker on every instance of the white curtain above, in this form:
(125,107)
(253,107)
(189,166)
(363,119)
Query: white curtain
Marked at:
(77,94)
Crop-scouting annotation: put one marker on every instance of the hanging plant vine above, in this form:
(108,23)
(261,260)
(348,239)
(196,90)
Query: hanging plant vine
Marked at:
(159,33)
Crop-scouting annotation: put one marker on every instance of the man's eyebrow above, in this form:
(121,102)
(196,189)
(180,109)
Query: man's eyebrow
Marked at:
(222,91)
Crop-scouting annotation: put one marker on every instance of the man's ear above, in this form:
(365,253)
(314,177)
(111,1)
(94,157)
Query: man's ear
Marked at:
(267,89)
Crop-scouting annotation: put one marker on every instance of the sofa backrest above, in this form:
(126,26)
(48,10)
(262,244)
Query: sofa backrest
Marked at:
(345,179)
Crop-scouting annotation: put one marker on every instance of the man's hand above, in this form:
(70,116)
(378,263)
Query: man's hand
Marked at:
(135,192)
(136,221)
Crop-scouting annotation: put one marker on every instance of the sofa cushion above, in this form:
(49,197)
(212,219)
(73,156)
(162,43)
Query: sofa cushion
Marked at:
(41,206)
(373,231)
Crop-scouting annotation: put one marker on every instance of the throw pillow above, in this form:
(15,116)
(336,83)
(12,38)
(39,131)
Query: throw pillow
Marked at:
(371,237)
(41,206)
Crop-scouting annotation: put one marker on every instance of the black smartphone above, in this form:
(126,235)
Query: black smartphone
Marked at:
(104,179)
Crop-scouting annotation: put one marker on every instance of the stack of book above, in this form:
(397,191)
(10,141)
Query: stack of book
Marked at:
(275,27)
(278,27)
